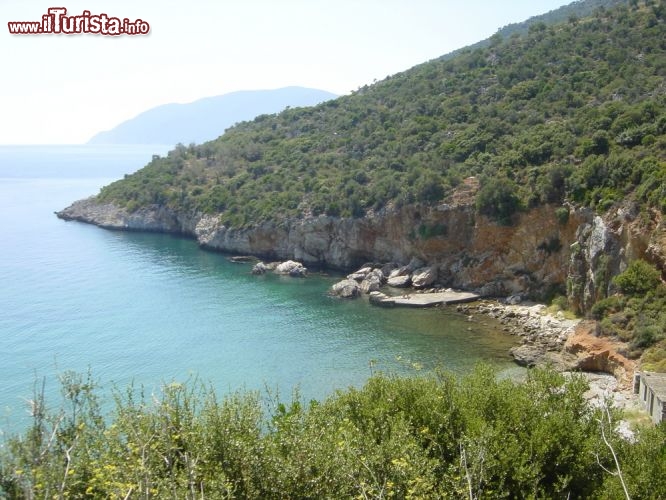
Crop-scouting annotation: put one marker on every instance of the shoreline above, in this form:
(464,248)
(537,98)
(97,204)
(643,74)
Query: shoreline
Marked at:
(547,339)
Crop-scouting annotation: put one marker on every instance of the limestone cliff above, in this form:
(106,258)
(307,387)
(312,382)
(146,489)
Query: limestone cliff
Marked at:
(605,245)
(534,255)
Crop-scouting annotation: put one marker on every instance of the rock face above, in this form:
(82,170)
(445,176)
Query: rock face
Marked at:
(468,252)
(604,245)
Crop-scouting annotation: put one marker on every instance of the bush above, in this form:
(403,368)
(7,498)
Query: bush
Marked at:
(562,215)
(639,278)
(604,306)
(498,199)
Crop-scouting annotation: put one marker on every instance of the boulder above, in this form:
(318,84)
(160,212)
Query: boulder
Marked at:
(360,275)
(259,268)
(540,355)
(424,277)
(346,289)
(492,289)
(371,284)
(377,273)
(292,268)
(400,281)
(400,271)
(415,264)
(388,267)
(528,355)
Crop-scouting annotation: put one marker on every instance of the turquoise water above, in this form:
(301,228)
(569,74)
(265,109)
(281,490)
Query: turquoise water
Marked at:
(149,308)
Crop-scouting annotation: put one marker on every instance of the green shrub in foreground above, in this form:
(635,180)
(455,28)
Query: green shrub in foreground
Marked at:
(426,437)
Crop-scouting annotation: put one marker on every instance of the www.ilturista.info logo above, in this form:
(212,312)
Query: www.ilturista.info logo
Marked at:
(57,22)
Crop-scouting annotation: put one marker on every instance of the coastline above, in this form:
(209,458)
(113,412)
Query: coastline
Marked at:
(568,345)
(543,336)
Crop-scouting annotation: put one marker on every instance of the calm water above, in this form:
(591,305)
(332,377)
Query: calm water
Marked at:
(154,308)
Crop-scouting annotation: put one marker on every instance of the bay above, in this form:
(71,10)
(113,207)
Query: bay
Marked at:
(149,308)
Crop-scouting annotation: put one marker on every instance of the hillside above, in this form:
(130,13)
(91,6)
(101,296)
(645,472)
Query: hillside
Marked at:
(207,118)
(550,114)
(533,166)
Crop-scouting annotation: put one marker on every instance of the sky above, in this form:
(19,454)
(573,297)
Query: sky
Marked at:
(63,89)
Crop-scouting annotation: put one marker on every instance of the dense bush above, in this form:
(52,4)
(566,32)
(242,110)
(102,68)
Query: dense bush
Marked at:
(638,279)
(428,437)
(498,199)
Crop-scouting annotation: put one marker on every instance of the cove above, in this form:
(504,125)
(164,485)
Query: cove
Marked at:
(152,308)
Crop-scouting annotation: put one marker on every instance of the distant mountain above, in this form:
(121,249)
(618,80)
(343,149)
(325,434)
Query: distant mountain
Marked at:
(207,118)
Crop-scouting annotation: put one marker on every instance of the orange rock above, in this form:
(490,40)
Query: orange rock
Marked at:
(599,354)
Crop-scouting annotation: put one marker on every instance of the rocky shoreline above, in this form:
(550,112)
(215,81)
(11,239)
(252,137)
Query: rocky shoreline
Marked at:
(567,345)
(543,335)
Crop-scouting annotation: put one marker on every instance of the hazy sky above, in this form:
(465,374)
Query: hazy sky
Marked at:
(65,88)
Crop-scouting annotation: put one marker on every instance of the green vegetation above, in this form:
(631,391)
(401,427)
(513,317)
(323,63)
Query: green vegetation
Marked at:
(637,314)
(574,111)
(639,278)
(426,437)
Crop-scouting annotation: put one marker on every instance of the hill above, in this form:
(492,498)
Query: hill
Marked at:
(207,118)
(550,114)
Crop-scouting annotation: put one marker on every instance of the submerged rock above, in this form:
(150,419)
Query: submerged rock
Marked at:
(380,299)
(241,259)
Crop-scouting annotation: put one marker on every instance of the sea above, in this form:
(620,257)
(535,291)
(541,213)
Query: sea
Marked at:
(152,309)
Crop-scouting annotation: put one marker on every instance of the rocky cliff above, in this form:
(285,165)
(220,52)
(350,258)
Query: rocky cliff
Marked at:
(605,245)
(536,254)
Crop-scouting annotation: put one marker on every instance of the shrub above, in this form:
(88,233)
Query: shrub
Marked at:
(562,215)
(422,437)
(639,278)
(498,199)
(604,306)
